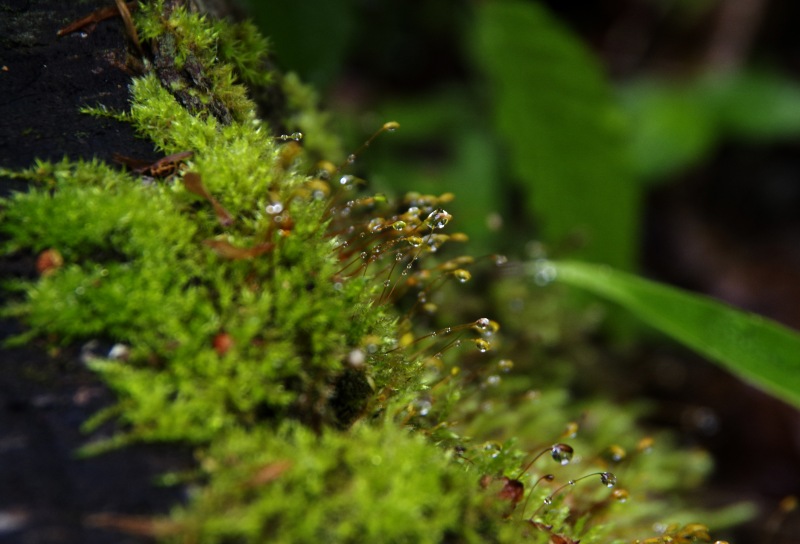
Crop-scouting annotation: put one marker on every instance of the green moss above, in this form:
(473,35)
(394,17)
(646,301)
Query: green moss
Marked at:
(269,341)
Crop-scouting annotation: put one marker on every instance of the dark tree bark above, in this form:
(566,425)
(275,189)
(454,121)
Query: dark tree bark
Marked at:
(47,494)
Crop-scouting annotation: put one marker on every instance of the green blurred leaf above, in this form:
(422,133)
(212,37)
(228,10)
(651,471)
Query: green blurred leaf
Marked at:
(671,126)
(758,105)
(758,350)
(564,132)
(675,125)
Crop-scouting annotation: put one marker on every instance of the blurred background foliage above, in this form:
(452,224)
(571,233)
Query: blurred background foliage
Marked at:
(657,136)
(548,122)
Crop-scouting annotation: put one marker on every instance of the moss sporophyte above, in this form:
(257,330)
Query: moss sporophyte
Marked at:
(271,314)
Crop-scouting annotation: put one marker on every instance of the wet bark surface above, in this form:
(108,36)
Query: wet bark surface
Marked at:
(47,493)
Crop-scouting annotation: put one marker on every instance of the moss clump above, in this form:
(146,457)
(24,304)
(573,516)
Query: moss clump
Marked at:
(254,302)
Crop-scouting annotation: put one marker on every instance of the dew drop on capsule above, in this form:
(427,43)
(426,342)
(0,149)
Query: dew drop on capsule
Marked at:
(387,283)
(548,500)
(398,256)
(608,479)
(391,126)
(505,365)
(346,179)
(620,495)
(482,345)
(351,158)
(483,323)
(297,136)
(414,241)
(615,453)
(437,219)
(463,276)
(562,453)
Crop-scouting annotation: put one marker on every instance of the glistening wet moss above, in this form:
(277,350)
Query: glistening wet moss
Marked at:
(267,337)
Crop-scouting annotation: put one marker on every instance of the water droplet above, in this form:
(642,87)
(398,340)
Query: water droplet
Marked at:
(608,479)
(548,500)
(351,158)
(620,495)
(615,453)
(505,365)
(387,283)
(338,286)
(493,380)
(398,256)
(500,260)
(544,272)
(119,352)
(346,180)
(297,136)
(463,276)
(414,241)
(375,224)
(486,326)
(562,453)
(399,225)
(423,407)
(493,448)
(391,126)
(356,358)
(482,345)
(364,255)
(404,273)
(645,445)
(447,330)
(437,219)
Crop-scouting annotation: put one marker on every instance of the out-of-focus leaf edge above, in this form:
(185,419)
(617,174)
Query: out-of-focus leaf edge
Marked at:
(762,352)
